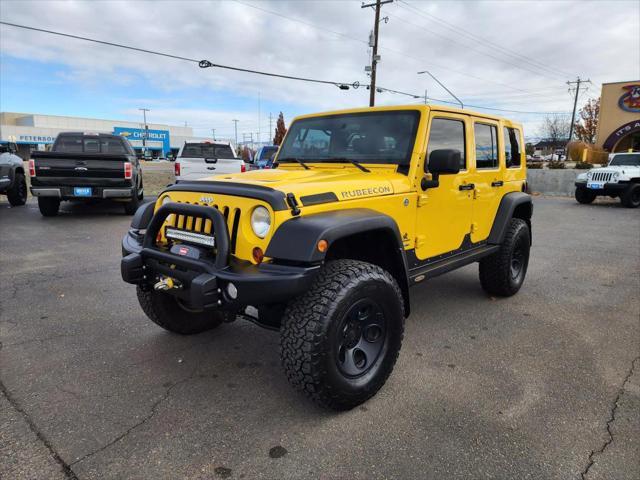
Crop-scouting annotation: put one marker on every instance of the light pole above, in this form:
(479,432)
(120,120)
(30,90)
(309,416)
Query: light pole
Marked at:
(235,123)
(146,130)
(442,85)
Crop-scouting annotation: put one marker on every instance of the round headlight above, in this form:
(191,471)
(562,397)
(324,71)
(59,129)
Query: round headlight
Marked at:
(615,175)
(260,221)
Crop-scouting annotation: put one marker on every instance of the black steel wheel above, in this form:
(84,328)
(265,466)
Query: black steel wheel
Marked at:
(340,340)
(363,335)
(584,195)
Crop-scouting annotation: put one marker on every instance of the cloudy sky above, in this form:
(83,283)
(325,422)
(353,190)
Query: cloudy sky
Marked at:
(511,55)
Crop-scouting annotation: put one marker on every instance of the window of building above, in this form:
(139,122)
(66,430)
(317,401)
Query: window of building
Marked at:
(446,133)
(486,146)
(512,151)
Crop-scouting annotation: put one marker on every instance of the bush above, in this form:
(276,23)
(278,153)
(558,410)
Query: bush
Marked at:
(583,166)
(534,165)
(555,165)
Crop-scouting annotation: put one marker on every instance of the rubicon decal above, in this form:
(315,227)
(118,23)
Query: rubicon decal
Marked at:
(365,192)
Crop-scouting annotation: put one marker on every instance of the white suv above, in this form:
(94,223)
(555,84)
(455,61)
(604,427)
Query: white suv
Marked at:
(197,160)
(620,178)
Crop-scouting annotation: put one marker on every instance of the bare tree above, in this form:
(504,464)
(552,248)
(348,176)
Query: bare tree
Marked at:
(555,129)
(587,126)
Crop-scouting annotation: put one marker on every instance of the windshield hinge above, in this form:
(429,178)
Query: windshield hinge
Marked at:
(293,203)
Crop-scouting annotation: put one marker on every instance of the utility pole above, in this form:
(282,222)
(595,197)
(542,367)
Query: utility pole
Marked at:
(374,55)
(577,83)
(235,122)
(146,129)
(213,131)
(270,127)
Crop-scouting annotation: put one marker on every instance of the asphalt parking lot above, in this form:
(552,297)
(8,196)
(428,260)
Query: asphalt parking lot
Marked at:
(541,385)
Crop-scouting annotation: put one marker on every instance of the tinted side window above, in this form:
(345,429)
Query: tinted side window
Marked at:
(512,147)
(486,145)
(447,134)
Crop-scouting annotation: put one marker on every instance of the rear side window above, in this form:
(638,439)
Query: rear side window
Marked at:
(486,145)
(512,151)
(447,133)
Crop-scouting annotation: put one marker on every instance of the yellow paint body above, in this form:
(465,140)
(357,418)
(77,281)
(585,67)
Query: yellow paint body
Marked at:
(432,222)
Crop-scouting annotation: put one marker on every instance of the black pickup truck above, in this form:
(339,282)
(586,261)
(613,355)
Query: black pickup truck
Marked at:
(83,166)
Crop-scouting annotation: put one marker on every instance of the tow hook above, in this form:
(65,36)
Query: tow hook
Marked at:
(166,283)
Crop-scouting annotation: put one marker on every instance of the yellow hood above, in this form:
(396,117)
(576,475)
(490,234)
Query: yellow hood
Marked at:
(346,181)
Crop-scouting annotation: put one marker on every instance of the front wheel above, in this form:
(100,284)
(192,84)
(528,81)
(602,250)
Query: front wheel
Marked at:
(631,196)
(340,340)
(584,196)
(48,206)
(168,312)
(503,272)
(17,194)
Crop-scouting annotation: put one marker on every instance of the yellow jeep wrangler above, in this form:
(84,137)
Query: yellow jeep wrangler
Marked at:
(363,204)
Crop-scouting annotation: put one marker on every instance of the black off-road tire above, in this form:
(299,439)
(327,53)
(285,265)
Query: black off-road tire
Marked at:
(49,206)
(164,310)
(17,194)
(315,328)
(132,205)
(503,272)
(631,196)
(584,196)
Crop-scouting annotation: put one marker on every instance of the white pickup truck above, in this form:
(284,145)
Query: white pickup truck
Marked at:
(197,160)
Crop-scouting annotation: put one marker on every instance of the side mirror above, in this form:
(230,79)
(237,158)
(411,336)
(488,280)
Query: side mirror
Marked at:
(444,161)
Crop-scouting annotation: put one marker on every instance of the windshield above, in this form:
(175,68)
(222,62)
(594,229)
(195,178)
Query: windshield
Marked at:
(632,160)
(206,150)
(368,137)
(89,144)
(266,154)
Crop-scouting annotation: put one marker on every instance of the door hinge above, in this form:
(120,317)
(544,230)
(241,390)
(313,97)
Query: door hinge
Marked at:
(421,240)
(422,200)
(474,227)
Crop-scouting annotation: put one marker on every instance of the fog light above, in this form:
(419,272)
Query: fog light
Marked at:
(258,254)
(232,291)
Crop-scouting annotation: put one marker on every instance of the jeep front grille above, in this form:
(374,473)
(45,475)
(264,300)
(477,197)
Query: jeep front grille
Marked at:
(201,225)
(601,176)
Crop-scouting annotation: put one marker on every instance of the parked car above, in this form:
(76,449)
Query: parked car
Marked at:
(264,157)
(84,166)
(620,178)
(13,183)
(327,245)
(197,160)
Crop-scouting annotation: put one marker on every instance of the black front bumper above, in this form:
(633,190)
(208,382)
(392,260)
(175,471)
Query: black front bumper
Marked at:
(204,281)
(608,189)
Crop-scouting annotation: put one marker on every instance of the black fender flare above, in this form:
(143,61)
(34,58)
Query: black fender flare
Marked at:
(296,240)
(143,216)
(511,202)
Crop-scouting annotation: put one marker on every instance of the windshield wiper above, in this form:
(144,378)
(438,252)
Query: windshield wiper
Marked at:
(288,159)
(350,160)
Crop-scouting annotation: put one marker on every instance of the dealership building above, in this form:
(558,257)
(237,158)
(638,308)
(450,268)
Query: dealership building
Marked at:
(33,131)
(619,123)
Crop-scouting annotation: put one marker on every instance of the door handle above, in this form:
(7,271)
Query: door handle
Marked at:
(498,183)
(211,168)
(467,186)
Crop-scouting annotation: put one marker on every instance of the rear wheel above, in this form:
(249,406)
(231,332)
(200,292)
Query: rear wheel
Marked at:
(48,206)
(631,196)
(17,194)
(340,340)
(168,312)
(132,205)
(584,196)
(503,272)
